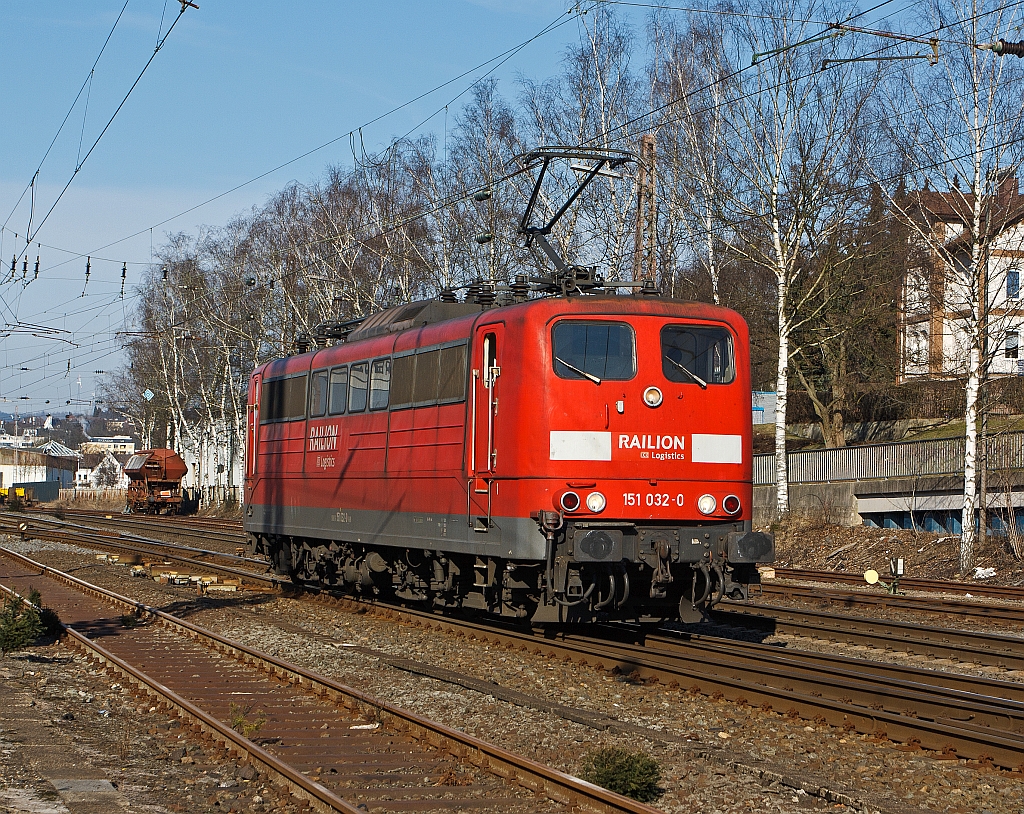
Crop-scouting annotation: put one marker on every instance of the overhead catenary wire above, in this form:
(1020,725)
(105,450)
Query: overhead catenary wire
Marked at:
(604,135)
(555,24)
(558,22)
(159,46)
(425,213)
(497,62)
(87,82)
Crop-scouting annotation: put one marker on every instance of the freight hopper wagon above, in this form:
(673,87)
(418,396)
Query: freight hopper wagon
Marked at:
(559,458)
(154,481)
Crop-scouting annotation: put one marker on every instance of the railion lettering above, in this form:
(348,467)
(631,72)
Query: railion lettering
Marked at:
(323,438)
(668,442)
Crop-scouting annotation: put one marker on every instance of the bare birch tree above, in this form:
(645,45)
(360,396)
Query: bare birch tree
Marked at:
(962,120)
(793,166)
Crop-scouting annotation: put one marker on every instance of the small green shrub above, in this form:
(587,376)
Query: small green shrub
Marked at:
(127,620)
(48,618)
(633,774)
(53,628)
(19,625)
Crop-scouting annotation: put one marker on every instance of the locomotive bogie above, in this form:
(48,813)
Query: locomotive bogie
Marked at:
(558,459)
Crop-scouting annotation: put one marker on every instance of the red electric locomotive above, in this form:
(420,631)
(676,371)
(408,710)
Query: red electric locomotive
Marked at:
(557,458)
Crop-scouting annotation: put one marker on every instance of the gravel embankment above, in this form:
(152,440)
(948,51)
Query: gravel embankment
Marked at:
(715,756)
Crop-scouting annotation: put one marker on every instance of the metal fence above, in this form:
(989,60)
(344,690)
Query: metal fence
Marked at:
(905,459)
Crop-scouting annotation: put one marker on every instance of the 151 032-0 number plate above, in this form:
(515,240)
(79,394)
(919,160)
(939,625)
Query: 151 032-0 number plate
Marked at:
(651,499)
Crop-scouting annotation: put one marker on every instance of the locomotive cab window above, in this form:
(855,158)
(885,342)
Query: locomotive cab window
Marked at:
(357,387)
(318,394)
(283,399)
(700,355)
(594,350)
(380,384)
(339,390)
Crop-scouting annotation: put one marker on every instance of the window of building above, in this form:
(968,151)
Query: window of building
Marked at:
(283,399)
(357,387)
(917,347)
(605,350)
(1013,284)
(318,394)
(380,384)
(691,352)
(339,390)
(1012,344)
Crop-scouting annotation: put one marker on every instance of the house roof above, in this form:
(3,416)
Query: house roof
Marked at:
(90,460)
(57,450)
(957,206)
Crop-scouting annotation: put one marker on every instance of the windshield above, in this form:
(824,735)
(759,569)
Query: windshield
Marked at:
(699,355)
(594,350)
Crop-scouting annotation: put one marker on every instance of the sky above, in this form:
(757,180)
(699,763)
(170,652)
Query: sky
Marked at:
(236,90)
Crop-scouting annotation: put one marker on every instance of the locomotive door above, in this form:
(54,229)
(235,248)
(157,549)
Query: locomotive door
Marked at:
(483,452)
(254,430)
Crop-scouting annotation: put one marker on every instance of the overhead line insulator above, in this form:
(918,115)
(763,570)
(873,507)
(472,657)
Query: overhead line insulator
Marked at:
(1004,48)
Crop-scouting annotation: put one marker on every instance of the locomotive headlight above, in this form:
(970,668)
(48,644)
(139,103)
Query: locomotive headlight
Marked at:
(652,396)
(596,502)
(570,501)
(731,504)
(706,504)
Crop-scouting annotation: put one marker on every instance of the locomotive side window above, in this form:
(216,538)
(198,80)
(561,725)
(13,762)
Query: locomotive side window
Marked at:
(318,394)
(435,375)
(357,387)
(380,384)
(402,371)
(594,350)
(284,399)
(339,390)
(700,355)
(451,385)
(424,390)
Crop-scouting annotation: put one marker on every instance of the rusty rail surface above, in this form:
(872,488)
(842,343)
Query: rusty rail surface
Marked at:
(228,537)
(436,738)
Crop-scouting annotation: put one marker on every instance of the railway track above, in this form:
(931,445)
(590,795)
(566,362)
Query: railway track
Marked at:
(930,641)
(334,746)
(920,708)
(225,535)
(906,583)
(221,562)
(950,713)
(936,606)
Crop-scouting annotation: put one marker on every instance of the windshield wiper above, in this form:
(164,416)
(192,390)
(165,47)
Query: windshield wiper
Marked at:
(703,384)
(583,373)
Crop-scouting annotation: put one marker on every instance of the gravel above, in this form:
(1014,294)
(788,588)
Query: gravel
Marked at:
(715,756)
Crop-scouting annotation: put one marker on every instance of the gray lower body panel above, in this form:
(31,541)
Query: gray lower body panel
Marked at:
(517,538)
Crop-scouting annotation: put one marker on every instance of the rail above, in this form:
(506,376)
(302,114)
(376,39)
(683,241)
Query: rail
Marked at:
(902,459)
